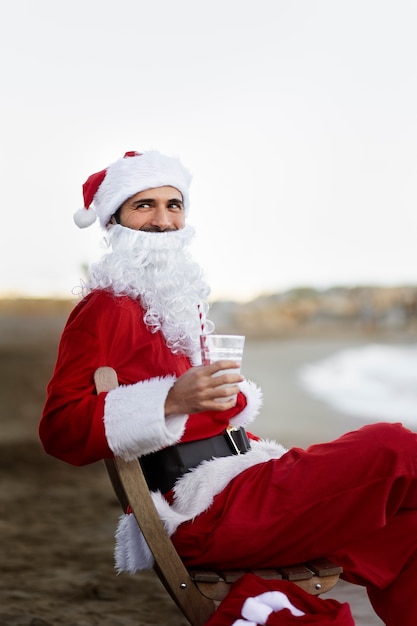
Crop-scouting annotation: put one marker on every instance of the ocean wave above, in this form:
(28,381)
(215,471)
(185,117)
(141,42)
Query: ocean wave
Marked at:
(376,381)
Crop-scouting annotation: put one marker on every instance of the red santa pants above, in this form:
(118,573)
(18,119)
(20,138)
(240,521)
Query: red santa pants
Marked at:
(353,500)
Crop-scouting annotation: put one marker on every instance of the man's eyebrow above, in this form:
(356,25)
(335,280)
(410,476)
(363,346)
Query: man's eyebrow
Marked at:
(142,200)
(151,200)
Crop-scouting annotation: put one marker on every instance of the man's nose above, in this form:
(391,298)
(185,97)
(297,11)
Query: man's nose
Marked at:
(161,218)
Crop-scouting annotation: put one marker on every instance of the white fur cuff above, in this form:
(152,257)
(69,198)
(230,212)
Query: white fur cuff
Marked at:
(134,418)
(254,399)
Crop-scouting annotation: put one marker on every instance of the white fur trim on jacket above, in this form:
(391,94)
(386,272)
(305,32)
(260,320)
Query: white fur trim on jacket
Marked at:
(134,418)
(254,398)
(131,551)
(194,492)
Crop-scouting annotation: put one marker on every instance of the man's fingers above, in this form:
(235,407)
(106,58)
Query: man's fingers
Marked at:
(224,364)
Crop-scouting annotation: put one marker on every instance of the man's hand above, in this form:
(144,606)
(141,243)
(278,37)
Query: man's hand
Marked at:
(197,389)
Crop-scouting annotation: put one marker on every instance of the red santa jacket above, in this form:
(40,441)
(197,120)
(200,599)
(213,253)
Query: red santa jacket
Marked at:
(80,427)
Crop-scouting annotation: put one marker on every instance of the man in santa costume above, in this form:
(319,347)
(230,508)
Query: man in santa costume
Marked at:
(353,500)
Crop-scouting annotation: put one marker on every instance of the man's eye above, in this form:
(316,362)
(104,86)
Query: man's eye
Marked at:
(143,205)
(174,205)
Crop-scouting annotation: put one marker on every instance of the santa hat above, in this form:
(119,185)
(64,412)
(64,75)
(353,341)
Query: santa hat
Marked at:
(105,191)
(253,601)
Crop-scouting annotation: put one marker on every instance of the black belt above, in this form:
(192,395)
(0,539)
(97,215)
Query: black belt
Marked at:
(162,468)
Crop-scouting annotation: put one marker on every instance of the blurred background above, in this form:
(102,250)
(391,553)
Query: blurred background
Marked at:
(297,121)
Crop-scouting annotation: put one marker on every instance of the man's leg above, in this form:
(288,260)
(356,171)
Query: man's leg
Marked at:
(385,562)
(396,605)
(307,504)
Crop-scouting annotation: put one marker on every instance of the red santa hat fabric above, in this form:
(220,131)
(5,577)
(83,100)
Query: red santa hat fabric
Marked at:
(253,601)
(105,191)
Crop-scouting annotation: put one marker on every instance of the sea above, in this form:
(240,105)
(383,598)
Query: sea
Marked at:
(374,381)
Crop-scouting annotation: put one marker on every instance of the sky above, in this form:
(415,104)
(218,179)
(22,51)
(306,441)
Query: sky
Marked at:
(297,119)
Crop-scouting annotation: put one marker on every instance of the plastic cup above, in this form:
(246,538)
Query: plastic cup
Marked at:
(220,347)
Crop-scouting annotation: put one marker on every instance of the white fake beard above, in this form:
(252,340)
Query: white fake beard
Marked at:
(158,269)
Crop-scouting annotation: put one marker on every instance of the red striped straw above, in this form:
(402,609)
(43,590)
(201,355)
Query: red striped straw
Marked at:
(203,339)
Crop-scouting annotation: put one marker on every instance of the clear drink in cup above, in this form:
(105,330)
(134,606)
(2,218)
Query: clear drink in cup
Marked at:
(222,347)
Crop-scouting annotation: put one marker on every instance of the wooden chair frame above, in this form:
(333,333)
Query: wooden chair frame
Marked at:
(196,593)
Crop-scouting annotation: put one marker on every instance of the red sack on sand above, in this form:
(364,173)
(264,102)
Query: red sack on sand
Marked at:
(253,601)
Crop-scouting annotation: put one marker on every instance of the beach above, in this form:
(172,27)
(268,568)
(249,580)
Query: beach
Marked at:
(58,521)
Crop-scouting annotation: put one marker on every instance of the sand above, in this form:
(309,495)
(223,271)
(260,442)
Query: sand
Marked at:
(57,521)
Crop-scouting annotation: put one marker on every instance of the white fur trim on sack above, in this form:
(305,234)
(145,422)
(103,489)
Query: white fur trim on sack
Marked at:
(193,494)
(259,608)
(134,418)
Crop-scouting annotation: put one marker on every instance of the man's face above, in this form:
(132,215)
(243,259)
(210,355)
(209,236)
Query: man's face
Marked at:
(155,210)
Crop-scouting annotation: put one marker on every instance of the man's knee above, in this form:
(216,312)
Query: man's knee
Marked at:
(386,433)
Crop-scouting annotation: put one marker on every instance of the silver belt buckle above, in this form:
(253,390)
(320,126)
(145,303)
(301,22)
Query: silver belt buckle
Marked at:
(229,431)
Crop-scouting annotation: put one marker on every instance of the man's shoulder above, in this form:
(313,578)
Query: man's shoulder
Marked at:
(103,304)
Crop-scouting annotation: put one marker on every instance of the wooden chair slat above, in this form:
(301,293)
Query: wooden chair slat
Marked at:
(267,574)
(200,576)
(296,572)
(324,567)
(231,575)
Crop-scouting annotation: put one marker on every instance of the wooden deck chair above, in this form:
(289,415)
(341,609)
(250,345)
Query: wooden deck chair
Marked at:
(196,593)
